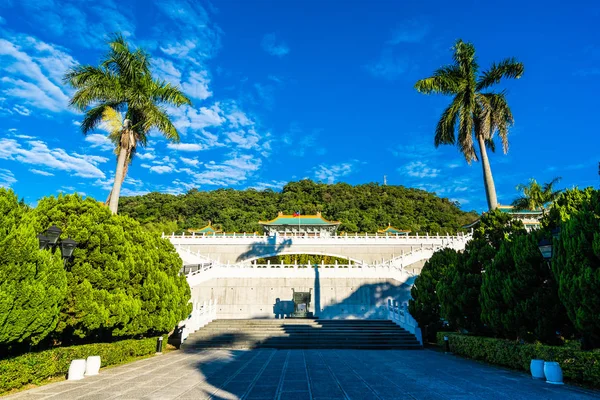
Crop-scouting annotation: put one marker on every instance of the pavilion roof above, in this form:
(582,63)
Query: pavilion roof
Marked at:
(207,229)
(283,219)
(393,231)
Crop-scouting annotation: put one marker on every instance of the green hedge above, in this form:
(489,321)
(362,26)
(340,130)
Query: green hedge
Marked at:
(577,366)
(36,367)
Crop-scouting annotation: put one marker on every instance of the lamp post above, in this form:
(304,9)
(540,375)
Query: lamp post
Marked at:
(51,240)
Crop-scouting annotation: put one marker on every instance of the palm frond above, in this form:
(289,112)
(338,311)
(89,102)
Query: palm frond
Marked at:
(444,132)
(167,93)
(156,117)
(508,68)
(465,128)
(446,80)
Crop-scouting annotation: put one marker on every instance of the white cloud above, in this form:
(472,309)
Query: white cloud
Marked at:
(275,185)
(161,169)
(100,141)
(189,118)
(33,73)
(7,178)
(196,85)
(147,155)
(330,173)
(273,46)
(185,146)
(40,172)
(231,172)
(21,110)
(39,154)
(24,136)
(189,161)
(84,23)
(419,169)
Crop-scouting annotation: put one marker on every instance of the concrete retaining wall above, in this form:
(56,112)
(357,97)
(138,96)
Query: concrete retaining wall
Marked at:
(332,298)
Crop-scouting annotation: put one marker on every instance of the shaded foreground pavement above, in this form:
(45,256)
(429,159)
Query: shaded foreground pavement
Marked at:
(306,374)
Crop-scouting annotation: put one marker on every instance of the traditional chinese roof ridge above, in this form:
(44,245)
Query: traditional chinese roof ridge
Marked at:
(284,219)
(390,229)
(207,229)
(511,210)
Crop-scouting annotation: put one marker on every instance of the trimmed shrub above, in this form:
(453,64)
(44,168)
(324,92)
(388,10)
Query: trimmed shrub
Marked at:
(33,283)
(36,367)
(577,365)
(122,280)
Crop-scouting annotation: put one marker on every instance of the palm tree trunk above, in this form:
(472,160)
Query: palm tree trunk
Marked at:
(125,169)
(121,162)
(488,180)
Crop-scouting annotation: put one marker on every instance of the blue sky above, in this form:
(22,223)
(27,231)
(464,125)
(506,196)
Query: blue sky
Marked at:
(285,90)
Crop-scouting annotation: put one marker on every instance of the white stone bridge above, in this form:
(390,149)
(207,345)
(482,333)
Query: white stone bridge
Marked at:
(361,249)
(223,269)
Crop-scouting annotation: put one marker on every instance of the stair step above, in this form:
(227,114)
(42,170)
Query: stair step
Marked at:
(302,334)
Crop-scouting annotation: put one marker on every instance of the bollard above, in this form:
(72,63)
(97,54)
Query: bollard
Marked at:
(159,345)
(446,345)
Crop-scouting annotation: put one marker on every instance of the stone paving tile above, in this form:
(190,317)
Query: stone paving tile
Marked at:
(305,374)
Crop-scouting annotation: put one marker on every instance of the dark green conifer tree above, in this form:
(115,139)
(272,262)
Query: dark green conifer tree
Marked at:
(425,305)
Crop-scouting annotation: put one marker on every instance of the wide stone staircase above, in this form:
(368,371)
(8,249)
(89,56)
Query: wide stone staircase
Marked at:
(301,334)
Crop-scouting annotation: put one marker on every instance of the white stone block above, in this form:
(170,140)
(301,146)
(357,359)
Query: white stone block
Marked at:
(76,370)
(92,365)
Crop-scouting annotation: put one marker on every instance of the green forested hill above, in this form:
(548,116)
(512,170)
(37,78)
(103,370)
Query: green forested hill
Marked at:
(360,208)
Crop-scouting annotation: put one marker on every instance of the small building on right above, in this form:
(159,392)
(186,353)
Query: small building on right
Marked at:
(530,218)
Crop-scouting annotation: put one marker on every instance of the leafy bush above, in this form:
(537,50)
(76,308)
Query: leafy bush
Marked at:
(576,266)
(122,280)
(578,366)
(33,283)
(425,305)
(37,367)
(519,296)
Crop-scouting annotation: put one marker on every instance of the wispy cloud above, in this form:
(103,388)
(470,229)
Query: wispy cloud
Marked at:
(274,185)
(40,172)
(39,154)
(86,26)
(7,178)
(99,141)
(329,173)
(189,161)
(33,72)
(161,169)
(233,171)
(419,169)
(274,46)
(186,146)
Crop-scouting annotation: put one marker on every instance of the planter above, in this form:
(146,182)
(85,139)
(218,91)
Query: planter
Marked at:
(537,369)
(553,373)
(92,365)
(76,370)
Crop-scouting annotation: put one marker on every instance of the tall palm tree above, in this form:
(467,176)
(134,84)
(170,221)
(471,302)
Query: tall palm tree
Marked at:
(124,83)
(536,196)
(474,114)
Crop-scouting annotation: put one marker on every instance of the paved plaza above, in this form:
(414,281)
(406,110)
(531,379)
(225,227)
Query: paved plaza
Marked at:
(306,374)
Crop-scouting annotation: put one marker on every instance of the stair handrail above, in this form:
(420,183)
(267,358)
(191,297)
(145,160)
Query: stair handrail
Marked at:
(200,316)
(400,316)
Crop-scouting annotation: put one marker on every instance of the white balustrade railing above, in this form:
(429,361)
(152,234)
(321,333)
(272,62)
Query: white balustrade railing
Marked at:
(400,316)
(201,315)
(356,236)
